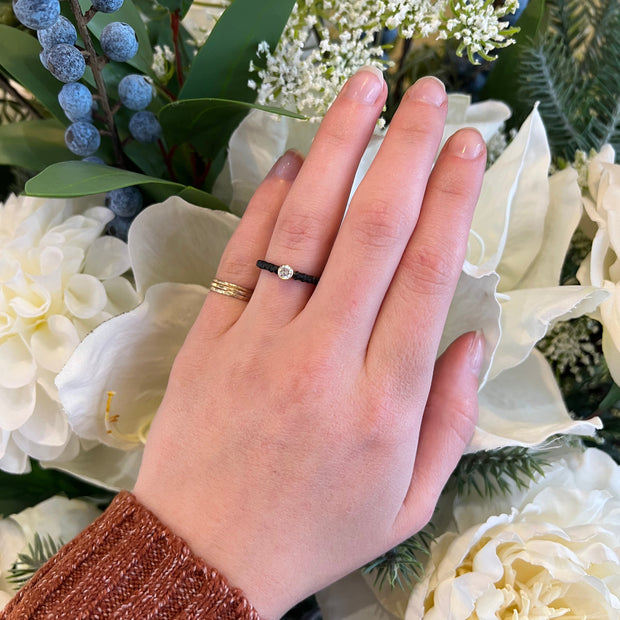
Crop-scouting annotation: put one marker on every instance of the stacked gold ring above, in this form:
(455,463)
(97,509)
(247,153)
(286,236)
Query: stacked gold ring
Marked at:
(231,290)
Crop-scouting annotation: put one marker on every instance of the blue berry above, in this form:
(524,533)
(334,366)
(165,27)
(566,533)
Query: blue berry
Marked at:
(43,56)
(119,227)
(119,41)
(66,63)
(82,138)
(135,92)
(37,14)
(76,101)
(144,127)
(387,36)
(124,202)
(107,6)
(63,31)
(93,159)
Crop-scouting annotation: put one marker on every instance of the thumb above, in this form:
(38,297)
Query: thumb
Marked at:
(448,424)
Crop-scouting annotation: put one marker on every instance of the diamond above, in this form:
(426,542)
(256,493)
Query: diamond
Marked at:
(285,272)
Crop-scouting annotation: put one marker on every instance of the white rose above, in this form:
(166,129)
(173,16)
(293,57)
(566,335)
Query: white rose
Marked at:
(602,266)
(58,517)
(59,278)
(552,550)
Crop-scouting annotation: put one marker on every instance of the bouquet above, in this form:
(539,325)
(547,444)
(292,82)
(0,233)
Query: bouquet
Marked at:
(132,135)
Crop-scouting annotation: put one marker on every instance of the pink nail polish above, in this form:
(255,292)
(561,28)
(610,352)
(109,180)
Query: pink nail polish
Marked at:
(366,86)
(287,166)
(476,351)
(429,90)
(467,144)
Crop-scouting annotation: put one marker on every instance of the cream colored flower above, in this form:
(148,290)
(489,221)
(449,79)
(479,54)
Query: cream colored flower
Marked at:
(59,278)
(550,551)
(58,517)
(113,383)
(602,267)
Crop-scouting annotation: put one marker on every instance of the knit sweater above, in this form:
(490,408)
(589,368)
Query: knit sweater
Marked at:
(127,565)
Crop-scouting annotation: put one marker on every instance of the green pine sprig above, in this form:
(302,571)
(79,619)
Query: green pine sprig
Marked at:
(573,70)
(40,550)
(490,472)
(401,566)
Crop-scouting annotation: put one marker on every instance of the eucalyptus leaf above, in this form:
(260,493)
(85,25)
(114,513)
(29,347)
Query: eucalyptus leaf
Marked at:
(207,123)
(19,56)
(220,69)
(33,145)
(78,178)
(129,14)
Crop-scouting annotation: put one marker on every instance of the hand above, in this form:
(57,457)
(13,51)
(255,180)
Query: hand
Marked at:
(310,429)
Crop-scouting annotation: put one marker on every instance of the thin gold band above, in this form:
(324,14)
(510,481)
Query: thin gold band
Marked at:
(231,290)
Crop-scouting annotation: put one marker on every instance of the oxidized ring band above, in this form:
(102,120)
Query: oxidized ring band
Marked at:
(286,272)
(231,290)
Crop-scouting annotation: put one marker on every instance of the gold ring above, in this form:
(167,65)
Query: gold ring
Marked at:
(230,289)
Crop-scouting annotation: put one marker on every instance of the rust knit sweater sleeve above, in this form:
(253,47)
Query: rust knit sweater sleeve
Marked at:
(127,565)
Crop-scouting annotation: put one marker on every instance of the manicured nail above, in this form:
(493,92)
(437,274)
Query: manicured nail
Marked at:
(287,166)
(366,85)
(467,143)
(428,89)
(476,351)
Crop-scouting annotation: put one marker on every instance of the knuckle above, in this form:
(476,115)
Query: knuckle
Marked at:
(234,267)
(298,229)
(379,225)
(430,270)
(462,418)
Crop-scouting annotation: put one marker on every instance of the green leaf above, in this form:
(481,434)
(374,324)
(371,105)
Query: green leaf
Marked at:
(128,13)
(220,70)
(78,178)
(33,145)
(19,55)
(207,123)
(18,492)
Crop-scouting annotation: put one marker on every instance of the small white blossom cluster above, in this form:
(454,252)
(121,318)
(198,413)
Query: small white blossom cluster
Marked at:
(326,41)
(163,57)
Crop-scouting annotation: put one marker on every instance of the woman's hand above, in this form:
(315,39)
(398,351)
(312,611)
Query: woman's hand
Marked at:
(308,430)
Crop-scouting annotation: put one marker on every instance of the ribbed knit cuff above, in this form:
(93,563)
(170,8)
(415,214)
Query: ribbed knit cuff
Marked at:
(127,565)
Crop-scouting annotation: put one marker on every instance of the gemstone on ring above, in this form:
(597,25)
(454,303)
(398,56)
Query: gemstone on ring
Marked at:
(285,272)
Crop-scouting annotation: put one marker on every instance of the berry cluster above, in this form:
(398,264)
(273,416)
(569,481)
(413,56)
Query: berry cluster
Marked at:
(67,63)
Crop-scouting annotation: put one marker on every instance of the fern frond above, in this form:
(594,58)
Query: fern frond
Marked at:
(496,471)
(40,550)
(402,565)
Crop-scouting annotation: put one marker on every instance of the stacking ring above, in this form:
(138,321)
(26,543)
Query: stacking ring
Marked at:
(231,290)
(286,272)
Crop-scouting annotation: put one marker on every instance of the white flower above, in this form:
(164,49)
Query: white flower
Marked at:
(58,280)
(550,551)
(602,267)
(58,517)
(113,383)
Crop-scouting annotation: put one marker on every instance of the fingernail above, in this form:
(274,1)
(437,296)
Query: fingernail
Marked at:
(467,144)
(476,351)
(366,85)
(428,89)
(287,166)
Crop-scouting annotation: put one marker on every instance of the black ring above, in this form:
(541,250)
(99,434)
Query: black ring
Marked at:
(297,275)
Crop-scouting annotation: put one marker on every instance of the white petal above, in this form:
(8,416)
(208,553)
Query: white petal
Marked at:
(175,241)
(33,303)
(107,257)
(474,307)
(47,426)
(16,406)
(511,211)
(611,353)
(487,116)
(13,460)
(104,466)
(53,342)
(562,219)
(85,296)
(129,356)
(527,314)
(122,297)
(17,366)
(524,407)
